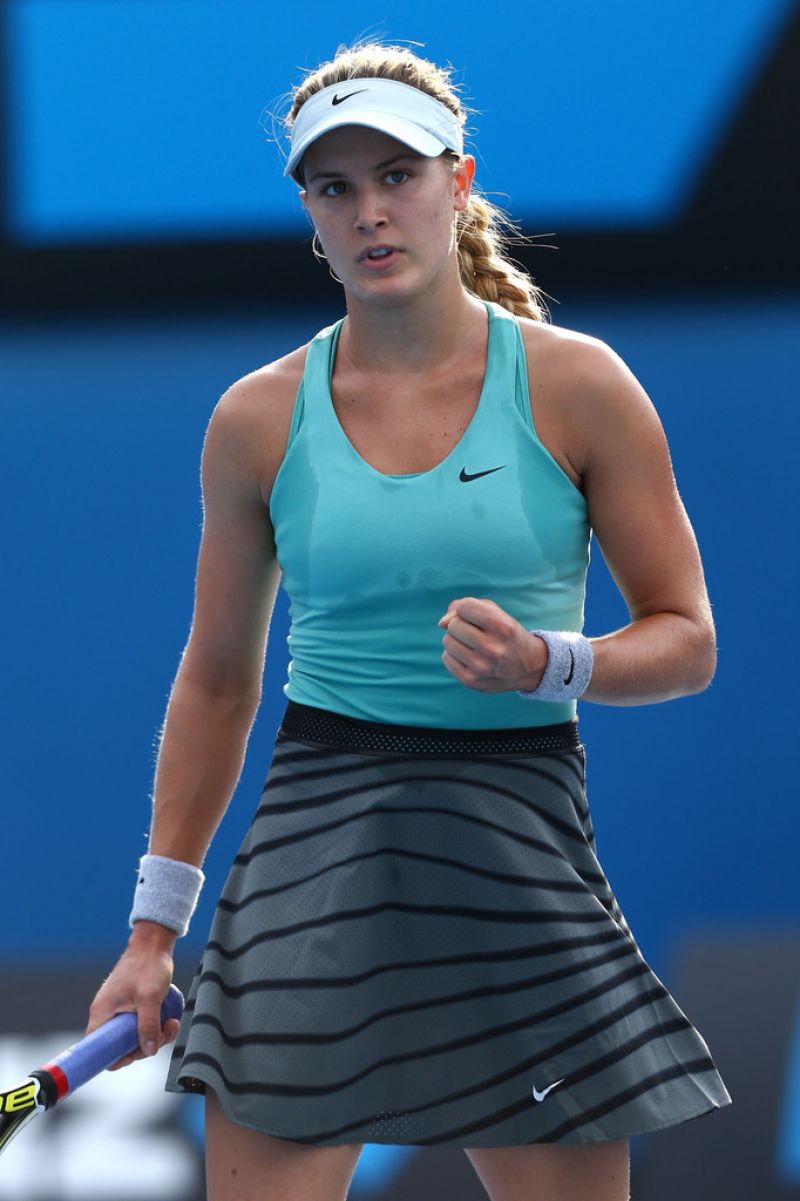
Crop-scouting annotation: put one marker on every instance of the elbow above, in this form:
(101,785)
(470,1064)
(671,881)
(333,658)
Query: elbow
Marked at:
(704,661)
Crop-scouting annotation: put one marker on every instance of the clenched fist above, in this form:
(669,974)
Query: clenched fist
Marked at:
(488,650)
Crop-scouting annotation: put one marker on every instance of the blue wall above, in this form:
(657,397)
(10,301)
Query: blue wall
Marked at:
(693,800)
(141,118)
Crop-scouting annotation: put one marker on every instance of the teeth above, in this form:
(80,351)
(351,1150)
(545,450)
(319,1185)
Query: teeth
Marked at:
(376,254)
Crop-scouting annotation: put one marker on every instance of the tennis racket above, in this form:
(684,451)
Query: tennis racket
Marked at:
(86,1058)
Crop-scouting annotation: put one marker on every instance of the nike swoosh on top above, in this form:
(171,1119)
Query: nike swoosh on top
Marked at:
(465,478)
(571,666)
(540,1096)
(341,99)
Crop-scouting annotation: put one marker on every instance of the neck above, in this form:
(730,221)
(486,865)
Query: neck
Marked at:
(420,335)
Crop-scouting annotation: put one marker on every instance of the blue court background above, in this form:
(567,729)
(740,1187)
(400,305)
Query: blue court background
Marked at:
(136,118)
(130,120)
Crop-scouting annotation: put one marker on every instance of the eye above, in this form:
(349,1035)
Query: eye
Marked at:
(335,183)
(340,182)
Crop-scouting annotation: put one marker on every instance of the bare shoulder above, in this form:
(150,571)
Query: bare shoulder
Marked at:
(568,359)
(256,411)
(581,390)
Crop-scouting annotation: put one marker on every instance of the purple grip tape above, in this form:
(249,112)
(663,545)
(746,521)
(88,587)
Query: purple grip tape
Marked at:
(97,1051)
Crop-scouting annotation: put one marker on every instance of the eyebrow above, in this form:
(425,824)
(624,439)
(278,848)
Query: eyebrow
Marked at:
(388,162)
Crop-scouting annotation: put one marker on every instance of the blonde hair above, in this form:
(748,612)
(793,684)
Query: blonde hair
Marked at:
(484,265)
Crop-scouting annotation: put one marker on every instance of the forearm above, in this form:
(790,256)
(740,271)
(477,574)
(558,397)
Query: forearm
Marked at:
(655,658)
(201,754)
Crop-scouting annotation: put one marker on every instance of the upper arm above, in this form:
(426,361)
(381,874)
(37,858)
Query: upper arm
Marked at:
(237,572)
(635,509)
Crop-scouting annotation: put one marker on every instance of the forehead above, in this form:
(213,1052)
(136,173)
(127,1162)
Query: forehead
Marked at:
(352,147)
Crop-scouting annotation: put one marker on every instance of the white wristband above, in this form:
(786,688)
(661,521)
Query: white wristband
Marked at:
(166,892)
(570,659)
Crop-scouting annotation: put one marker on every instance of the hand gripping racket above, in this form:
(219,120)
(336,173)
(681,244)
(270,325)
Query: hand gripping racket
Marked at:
(86,1058)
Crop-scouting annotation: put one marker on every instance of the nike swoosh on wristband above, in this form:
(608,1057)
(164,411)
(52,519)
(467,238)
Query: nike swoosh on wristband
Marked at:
(341,99)
(465,478)
(571,666)
(540,1096)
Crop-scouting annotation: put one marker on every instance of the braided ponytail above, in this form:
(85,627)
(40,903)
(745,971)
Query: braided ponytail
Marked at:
(486,270)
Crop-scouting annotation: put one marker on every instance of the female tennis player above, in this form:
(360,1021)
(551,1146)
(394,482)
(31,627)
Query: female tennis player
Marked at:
(417,942)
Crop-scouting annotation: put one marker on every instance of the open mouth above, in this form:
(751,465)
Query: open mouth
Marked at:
(379,261)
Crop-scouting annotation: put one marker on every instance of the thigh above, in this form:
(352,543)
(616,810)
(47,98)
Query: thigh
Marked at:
(550,1172)
(244,1165)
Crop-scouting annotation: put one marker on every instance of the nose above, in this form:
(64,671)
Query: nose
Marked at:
(369,210)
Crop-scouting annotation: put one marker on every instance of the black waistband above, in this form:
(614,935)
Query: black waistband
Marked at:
(310,724)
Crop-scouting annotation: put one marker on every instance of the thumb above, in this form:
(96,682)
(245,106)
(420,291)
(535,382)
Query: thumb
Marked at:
(447,617)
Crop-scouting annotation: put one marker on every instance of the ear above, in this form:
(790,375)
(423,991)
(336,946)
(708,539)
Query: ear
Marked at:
(303,194)
(463,176)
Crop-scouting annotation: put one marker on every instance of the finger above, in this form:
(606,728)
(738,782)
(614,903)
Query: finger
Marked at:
(126,1059)
(461,633)
(149,1024)
(454,609)
(478,612)
(449,614)
(463,616)
(456,650)
(169,1031)
(459,659)
(457,669)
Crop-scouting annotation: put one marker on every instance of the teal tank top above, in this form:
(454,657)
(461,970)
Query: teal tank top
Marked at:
(371,561)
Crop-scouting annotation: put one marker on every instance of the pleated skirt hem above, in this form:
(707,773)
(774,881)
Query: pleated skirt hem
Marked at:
(201,1079)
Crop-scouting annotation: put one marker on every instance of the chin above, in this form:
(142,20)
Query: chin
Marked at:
(391,289)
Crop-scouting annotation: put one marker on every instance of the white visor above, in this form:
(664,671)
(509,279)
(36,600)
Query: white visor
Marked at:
(395,108)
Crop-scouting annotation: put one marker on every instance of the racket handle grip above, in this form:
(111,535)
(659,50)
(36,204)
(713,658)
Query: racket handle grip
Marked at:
(97,1051)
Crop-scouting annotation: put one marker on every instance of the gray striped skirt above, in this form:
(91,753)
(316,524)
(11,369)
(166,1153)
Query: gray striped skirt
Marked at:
(417,944)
